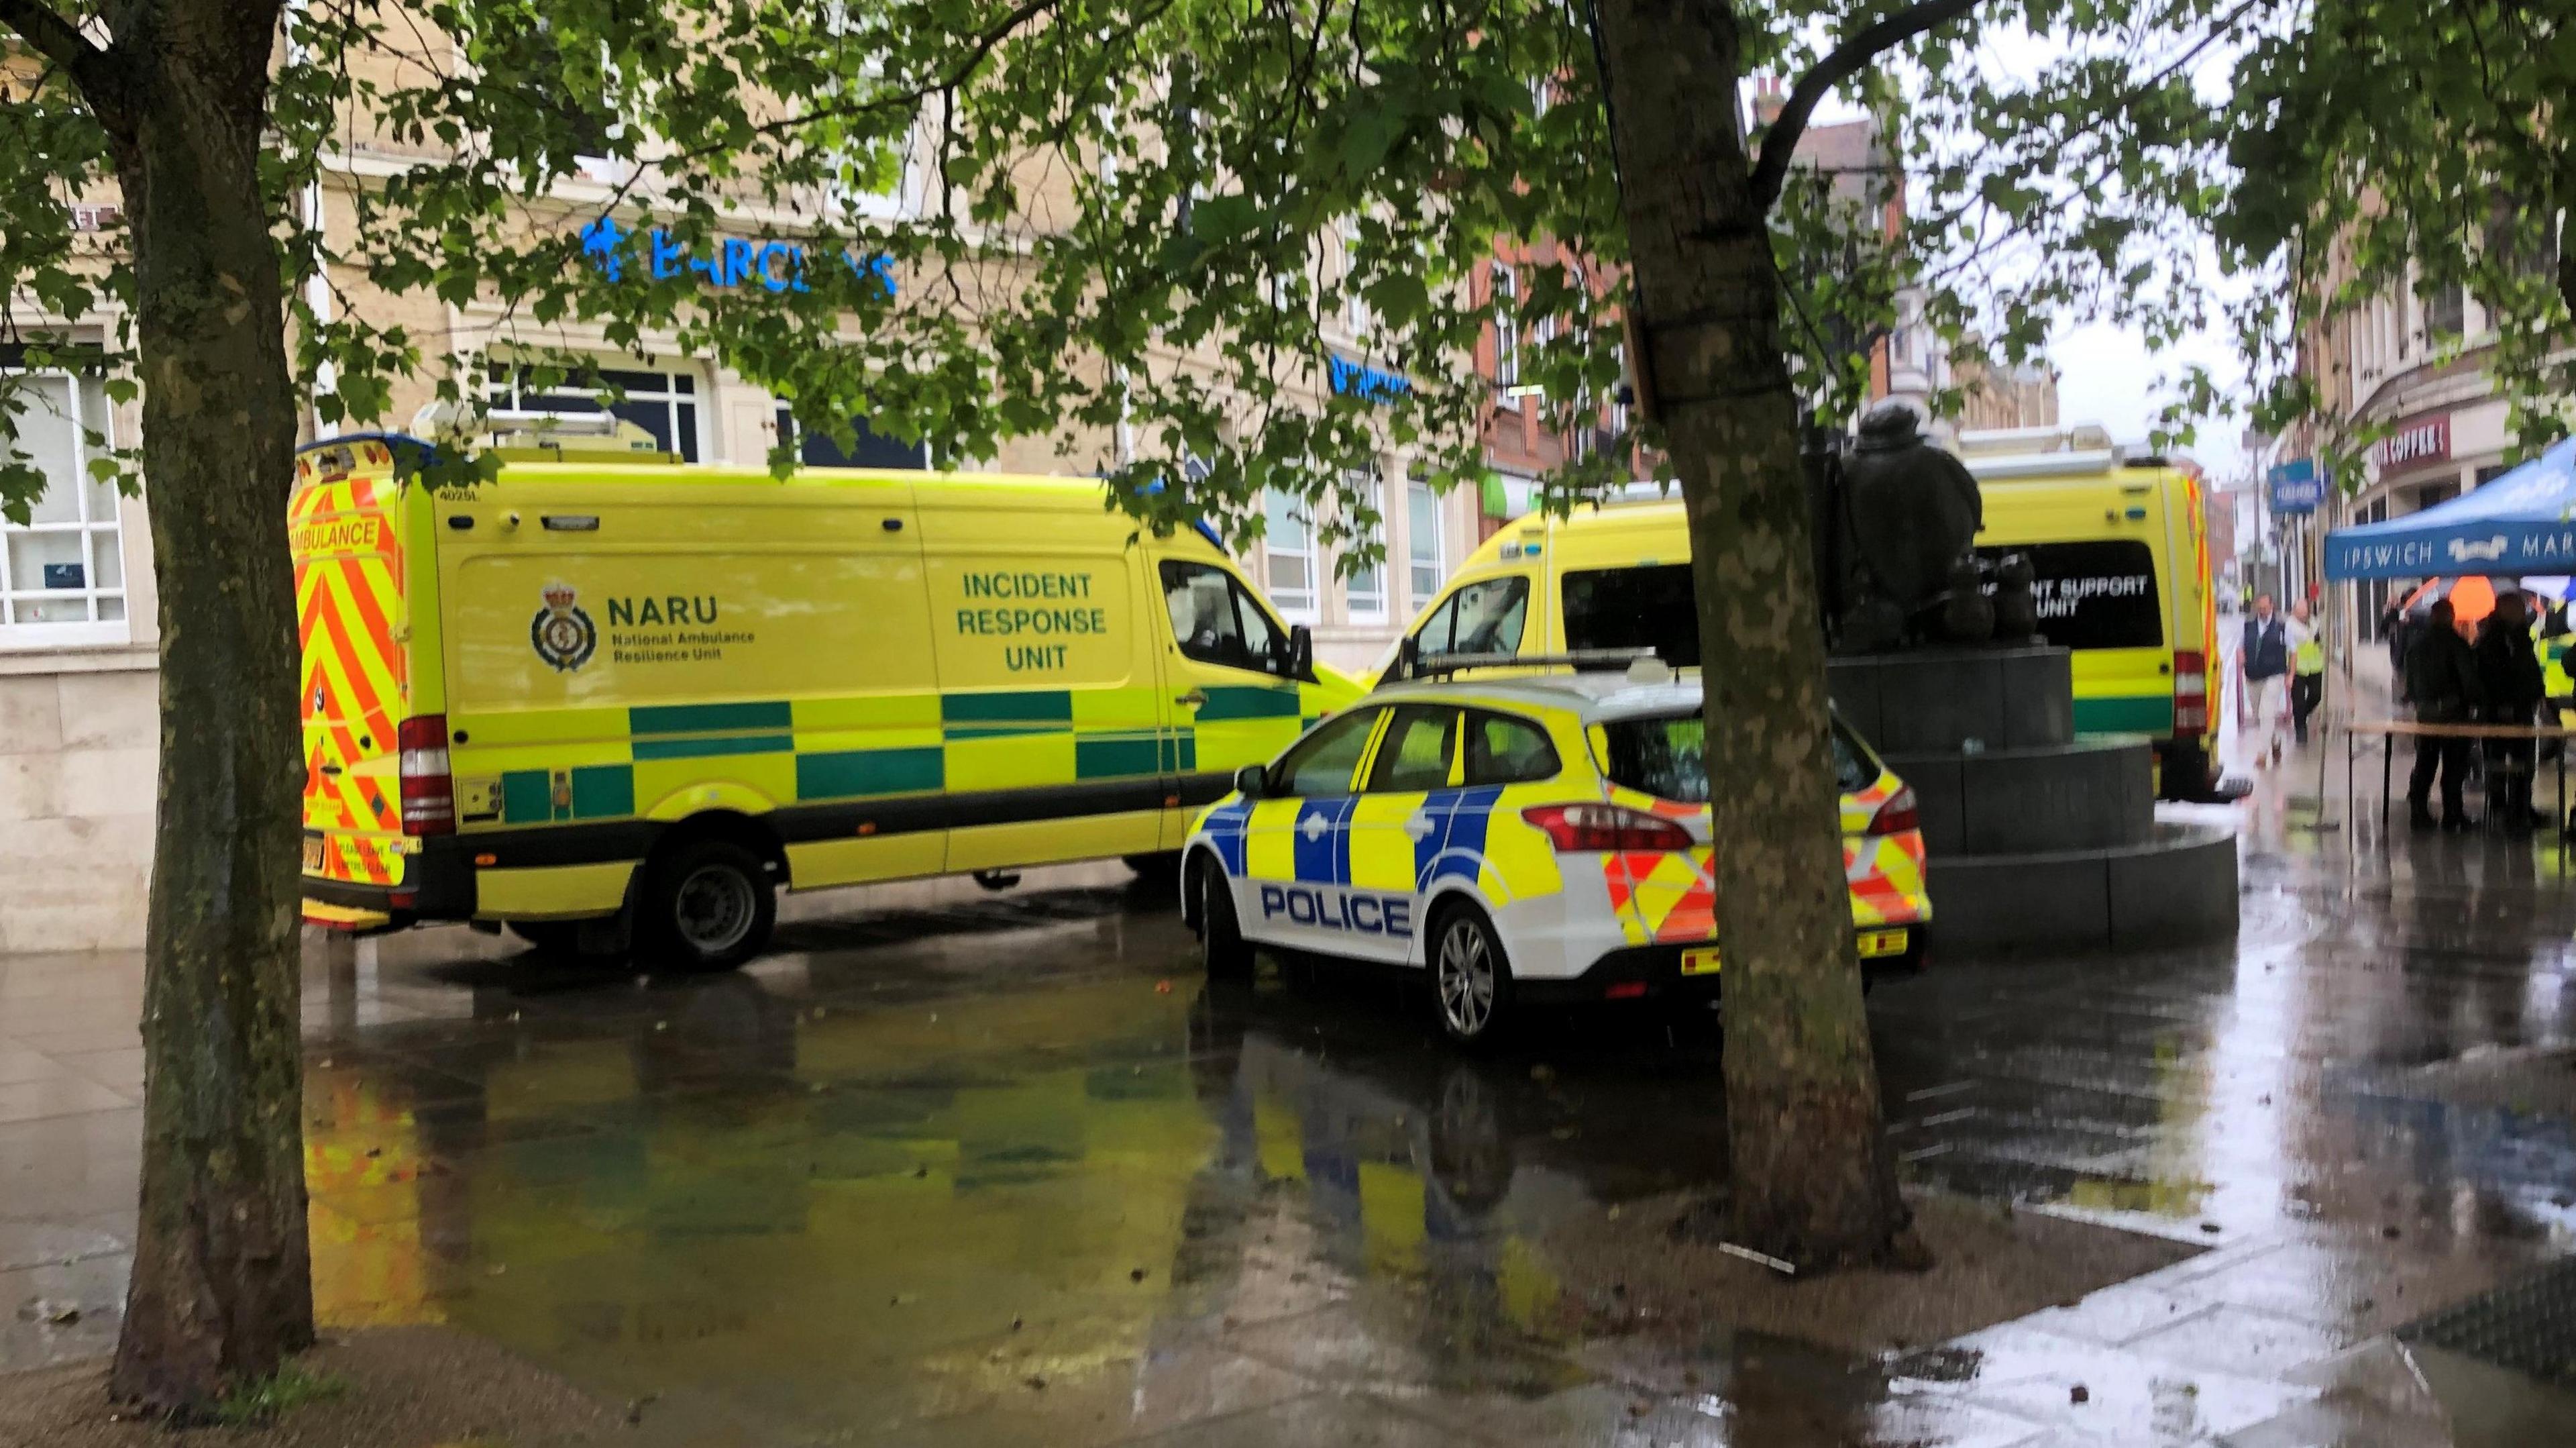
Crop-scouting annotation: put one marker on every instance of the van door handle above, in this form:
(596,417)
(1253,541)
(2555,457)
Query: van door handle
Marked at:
(331,769)
(1194,698)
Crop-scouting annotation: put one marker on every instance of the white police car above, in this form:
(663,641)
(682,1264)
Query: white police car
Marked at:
(1531,838)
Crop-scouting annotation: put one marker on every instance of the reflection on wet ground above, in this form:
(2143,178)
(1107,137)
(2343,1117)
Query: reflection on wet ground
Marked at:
(967,1169)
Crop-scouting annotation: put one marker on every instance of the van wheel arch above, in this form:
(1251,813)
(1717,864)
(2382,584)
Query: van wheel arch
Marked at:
(696,845)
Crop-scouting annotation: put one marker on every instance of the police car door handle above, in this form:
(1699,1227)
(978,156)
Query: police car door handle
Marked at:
(1419,826)
(1194,698)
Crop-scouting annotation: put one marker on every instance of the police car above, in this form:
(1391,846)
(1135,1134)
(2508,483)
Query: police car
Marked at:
(1530,839)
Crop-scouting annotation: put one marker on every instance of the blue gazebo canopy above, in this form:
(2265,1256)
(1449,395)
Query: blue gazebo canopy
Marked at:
(2522,522)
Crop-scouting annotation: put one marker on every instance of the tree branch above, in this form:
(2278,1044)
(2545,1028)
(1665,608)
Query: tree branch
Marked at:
(52,35)
(1856,51)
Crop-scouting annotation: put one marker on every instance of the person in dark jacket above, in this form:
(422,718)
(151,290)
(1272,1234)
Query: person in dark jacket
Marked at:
(2509,676)
(2442,680)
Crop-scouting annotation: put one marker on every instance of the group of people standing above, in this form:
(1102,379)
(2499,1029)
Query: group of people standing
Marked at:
(2496,679)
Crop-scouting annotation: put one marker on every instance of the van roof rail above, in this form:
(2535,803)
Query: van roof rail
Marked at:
(1580,660)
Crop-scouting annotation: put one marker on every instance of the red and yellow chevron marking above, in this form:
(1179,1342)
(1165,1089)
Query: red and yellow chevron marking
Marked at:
(1670,897)
(348,582)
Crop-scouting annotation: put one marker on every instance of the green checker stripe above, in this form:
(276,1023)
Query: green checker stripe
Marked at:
(1025,707)
(599,791)
(1136,752)
(710,718)
(1248,701)
(2136,714)
(855,773)
(704,748)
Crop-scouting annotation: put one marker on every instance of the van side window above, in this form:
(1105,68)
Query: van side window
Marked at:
(1484,617)
(1650,607)
(1505,750)
(1216,621)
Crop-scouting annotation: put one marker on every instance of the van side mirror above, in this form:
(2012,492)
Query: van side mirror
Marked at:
(1252,780)
(1301,653)
(1408,656)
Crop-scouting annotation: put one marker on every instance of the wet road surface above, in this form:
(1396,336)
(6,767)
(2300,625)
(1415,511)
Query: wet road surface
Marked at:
(960,1168)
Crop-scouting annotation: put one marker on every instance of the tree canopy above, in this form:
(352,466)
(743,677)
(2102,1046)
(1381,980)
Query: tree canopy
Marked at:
(2383,149)
(1018,217)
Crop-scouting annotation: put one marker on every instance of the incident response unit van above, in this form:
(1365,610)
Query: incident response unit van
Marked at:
(2119,546)
(611,700)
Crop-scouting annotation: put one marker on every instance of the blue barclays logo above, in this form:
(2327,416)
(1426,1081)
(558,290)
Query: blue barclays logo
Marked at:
(779,266)
(1339,910)
(1358,379)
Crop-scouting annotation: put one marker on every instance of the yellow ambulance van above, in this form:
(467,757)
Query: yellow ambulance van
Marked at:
(614,701)
(2119,546)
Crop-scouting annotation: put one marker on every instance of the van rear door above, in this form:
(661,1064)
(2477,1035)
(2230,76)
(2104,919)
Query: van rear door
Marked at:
(2100,583)
(345,533)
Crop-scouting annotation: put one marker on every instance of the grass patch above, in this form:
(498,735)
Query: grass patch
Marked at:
(291,1387)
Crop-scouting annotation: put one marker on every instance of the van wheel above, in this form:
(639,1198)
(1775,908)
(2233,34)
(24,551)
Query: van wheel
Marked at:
(708,906)
(1159,868)
(1471,982)
(1222,948)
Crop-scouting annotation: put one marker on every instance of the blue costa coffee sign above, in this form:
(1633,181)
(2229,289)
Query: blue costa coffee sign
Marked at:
(778,266)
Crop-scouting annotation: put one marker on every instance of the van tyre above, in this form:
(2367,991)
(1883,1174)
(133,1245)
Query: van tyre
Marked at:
(1222,948)
(708,905)
(1471,981)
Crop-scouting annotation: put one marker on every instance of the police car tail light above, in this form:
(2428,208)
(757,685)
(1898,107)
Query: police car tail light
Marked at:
(1897,815)
(2191,691)
(428,795)
(1611,828)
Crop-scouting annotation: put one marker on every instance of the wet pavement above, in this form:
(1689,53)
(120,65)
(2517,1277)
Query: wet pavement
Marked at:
(960,1168)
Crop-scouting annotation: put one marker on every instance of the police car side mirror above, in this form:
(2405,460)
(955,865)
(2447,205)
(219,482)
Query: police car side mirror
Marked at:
(1251,779)
(1301,653)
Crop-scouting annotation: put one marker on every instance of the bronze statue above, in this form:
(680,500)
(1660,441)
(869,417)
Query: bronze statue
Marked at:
(1910,515)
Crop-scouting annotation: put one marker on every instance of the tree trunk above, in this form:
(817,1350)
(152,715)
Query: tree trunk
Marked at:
(1812,1178)
(222,1283)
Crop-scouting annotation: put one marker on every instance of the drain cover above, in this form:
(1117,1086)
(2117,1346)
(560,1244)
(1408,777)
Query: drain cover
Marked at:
(2528,1326)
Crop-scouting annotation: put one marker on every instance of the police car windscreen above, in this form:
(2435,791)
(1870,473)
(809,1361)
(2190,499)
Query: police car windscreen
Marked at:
(2099,594)
(1666,756)
(1632,608)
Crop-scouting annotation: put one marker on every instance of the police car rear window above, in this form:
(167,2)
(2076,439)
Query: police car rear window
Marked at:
(1667,757)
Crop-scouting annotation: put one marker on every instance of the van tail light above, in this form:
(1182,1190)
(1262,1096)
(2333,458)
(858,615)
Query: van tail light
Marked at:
(428,794)
(2191,691)
(1606,828)
(1897,815)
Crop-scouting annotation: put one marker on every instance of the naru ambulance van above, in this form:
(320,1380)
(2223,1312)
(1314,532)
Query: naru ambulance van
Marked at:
(616,700)
(2119,545)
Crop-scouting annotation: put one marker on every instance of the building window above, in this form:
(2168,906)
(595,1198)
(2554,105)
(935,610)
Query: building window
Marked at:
(1355,305)
(1619,391)
(664,404)
(62,573)
(1288,543)
(869,449)
(1507,332)
(1365,591)
(2446,309)
(1426,549)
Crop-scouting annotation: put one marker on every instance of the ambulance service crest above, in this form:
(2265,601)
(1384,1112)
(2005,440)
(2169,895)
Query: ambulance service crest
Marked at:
(561,633)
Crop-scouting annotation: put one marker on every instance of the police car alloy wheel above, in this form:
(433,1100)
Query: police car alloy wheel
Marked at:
(1470,984)
(710,906)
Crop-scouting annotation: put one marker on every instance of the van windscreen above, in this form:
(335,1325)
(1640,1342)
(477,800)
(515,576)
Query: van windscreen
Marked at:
(1630,608)
(2095,594)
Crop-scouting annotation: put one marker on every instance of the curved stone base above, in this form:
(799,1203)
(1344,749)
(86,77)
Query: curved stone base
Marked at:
(2176,888)
(2093,794)
(1944,700)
